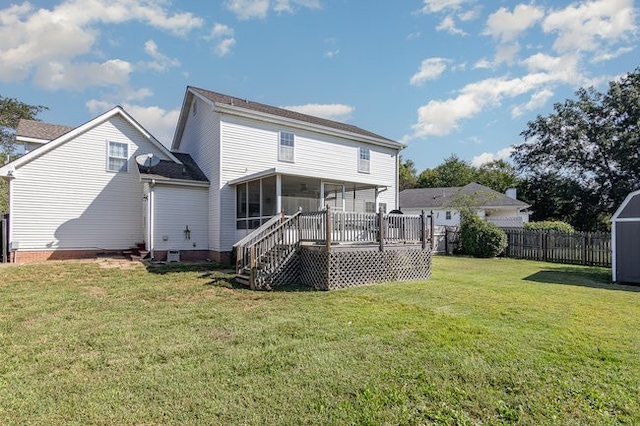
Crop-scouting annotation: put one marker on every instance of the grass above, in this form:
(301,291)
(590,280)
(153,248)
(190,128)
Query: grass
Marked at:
(496,341)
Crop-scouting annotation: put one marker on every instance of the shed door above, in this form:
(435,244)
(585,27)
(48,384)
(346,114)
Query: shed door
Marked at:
(628,252)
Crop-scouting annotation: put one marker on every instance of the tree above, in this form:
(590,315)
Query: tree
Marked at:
(11,111)
(453,172)
(497,175)
(590,147)
(408,176)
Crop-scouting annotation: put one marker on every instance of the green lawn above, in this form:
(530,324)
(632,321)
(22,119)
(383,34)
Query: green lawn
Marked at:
(491,341)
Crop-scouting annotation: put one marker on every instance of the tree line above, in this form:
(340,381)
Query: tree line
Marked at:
(576,164)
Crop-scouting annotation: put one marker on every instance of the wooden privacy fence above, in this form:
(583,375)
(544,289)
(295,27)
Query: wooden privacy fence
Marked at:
(582,248)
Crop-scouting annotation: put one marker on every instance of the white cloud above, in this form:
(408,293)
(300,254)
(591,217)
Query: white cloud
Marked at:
(588,25)
(507,26)
(223,37)
(80,75)
(160,61)
(433,6)
(158,121)
(488,157)
(430,69)
(38,41)
(259,9)
(607,56)
(537,100)
(441,117)
(331,53)
(337,112)
(448,24)
(483,63)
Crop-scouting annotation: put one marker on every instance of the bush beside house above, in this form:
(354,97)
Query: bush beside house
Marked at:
(549,225)
(479,238)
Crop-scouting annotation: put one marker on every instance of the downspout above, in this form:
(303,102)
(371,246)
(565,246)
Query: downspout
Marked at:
(151,218)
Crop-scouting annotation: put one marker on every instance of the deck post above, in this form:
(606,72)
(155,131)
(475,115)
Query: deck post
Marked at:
(252,267)
(431,231)
(381,228)
(423,231)
(328,227)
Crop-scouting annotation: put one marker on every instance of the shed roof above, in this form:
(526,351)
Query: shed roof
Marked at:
(39,130)
(445,197)
(165,169)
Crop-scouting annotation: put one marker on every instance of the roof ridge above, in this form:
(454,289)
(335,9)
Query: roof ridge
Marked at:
(287,113)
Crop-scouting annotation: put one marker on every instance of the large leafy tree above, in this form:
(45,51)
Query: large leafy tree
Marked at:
(408,176)
(453,172)
(591,144)
(497,175)
(11,111)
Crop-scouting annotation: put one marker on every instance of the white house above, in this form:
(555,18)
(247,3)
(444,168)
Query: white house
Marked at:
(503,210)
(233,164)
(261,160)
(83,193)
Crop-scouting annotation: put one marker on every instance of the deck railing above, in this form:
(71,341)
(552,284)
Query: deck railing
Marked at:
(269,249)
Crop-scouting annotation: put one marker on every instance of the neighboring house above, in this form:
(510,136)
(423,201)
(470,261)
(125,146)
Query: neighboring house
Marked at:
(83,193)
(32,134)
(504,210)
(109,185)
(262,160)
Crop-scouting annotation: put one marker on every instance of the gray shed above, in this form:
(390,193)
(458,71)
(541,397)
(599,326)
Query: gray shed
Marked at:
(625,240)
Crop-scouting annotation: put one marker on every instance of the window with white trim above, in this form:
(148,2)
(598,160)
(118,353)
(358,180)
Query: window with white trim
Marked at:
(364,157)
(286,147)
(117,157)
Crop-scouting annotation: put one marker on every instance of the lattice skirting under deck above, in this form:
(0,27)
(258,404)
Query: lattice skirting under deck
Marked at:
(343,268)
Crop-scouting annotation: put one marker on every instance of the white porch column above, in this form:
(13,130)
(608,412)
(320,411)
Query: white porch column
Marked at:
(278,194)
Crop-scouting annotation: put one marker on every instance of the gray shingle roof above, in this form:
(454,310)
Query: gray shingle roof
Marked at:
(435,198)
(188,170)
(285,113)
(39,130)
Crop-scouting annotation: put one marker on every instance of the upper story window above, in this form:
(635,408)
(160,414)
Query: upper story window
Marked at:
(286,146)
(118,157)
(364,159)
(448,215)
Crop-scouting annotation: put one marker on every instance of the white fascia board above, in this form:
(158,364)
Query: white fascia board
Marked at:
(270,118)
(624,204)
(80,130)
(32,140)
(175,182)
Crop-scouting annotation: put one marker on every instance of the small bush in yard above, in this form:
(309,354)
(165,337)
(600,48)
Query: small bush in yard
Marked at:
(549,225)
(481,239)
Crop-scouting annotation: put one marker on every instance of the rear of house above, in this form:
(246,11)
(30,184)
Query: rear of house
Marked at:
(81,194)
(262,160)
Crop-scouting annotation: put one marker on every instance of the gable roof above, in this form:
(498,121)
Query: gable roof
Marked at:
(230,104)
(32,129)
(435,198)
(118,110)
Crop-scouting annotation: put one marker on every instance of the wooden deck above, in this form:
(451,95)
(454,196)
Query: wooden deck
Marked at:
(328,250)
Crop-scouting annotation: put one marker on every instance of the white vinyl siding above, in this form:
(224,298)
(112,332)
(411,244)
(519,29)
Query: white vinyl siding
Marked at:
(201,139)
(286,147)
(247,147)
(65,199)
(176,209)
(117,157)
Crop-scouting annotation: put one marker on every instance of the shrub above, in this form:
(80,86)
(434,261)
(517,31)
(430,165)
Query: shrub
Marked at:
(549,225)
(481,239)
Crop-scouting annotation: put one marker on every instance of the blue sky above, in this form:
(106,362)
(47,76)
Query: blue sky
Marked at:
(442,76)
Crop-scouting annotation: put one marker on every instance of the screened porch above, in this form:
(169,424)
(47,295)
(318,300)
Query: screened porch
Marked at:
(258,199)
